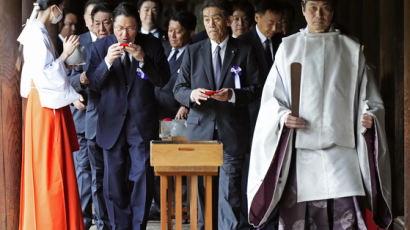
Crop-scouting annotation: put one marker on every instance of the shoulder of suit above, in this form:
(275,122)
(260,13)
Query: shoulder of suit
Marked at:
(245,36)
(106,41)
(241,44)
(85,38)
(197,45)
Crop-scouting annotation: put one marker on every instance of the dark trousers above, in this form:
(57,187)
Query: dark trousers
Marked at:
(83,174)
(95,155)
(226,193)
(128,181)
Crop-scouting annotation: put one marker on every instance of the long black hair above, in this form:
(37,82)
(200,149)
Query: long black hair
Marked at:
(44,4)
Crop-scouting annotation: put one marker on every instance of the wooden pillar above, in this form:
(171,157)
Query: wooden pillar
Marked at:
(10,116)
(406,86)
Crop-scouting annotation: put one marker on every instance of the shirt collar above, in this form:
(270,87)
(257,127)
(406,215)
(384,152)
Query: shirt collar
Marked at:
(180,50)
(222,44)
(260,35)
(153,31)
(61,37)
(93,37)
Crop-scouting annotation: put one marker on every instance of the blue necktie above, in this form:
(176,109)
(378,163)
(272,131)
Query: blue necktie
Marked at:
(217,64)
(173,59)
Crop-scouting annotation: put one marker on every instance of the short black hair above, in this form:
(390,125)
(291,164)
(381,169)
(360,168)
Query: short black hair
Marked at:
(44,4)
(126,9)
(268,5)
(157,2)
(185,18)
(101,7)
(223,5)
(332,2)
(246,7)
(92,2)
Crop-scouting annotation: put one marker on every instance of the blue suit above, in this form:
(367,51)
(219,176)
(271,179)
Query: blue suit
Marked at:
(94,160)
(81,160)
(127,121)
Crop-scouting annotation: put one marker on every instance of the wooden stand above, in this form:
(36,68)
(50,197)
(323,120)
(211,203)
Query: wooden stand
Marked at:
(193,159)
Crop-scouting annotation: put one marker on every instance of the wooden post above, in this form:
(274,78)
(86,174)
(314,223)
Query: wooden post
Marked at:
(10,116)
(406,86)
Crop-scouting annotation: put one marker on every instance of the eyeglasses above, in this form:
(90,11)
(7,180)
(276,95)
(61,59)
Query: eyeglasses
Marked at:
(125,29)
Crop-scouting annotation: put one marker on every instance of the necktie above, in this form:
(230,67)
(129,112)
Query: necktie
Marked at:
(125,61)
(173,59)
(268,52)
(217,64)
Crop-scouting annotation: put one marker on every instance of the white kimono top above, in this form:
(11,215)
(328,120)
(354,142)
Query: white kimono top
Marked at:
(42,66)
(336,89)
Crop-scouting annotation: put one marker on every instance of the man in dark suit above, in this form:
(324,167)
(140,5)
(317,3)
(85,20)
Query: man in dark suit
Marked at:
(124,69)
(90,164)
(150,11)
(180,31)
(181,28)
(227,66)
(265,38)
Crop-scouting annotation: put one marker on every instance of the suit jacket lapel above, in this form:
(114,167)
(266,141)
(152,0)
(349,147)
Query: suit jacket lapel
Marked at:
(206,50)
(230,53)
(260,50)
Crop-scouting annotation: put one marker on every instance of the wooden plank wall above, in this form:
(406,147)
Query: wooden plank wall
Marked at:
(10,116)
(406,88)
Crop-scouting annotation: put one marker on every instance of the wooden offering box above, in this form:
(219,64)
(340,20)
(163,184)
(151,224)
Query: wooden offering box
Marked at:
(180,158)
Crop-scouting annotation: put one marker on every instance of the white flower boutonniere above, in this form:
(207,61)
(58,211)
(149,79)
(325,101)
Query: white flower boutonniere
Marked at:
(141,74)
(236,72)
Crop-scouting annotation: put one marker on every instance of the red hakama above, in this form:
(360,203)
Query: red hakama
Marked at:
(49,197)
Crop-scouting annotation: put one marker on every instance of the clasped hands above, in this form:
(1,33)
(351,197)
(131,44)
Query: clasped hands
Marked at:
(199,95)
(300,123)
(116,51)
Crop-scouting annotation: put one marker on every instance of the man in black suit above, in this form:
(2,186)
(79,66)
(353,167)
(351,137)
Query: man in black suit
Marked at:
(124,69)
(265,38)
(227,66)
(149,11)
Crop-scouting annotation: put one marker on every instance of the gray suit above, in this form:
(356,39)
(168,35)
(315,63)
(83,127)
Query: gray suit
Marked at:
(225,121)
(89,160)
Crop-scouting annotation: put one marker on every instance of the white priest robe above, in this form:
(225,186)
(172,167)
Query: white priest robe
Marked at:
(332,156)
(41,66)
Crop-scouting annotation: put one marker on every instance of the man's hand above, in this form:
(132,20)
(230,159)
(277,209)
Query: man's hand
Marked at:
(223,95)
(83,78)
(136,51)
(182,113)
(294,122)
(199,95)
(79,104)
(367,121)
(114,51)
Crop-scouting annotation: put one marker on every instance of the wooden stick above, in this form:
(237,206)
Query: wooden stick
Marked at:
(295,78)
